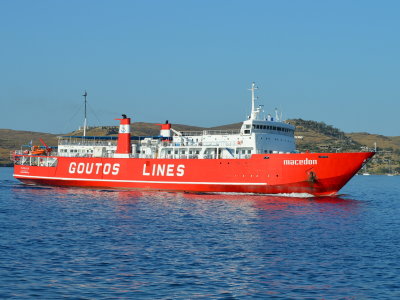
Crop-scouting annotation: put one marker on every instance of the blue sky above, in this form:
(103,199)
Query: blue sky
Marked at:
(191,62)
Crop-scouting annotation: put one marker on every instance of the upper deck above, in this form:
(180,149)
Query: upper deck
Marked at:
(259,134)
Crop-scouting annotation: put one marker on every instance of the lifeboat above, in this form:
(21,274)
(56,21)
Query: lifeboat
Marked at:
(37,151)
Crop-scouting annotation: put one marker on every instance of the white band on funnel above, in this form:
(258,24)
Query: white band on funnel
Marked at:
(124,128)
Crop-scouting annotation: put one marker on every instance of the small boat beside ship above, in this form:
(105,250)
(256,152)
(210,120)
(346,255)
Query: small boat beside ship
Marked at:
(260,157)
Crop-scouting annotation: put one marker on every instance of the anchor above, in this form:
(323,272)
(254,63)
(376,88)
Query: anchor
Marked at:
(312,177)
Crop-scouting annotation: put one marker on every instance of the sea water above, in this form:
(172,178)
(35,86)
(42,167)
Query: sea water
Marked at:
(100,244)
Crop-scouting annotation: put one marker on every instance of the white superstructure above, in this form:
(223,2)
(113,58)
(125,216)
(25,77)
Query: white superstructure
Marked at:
(258,134)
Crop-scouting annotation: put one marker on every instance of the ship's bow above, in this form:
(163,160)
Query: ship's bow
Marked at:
(335,170)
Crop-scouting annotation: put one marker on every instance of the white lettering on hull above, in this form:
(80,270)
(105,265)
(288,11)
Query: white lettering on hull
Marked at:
(163,170)
(97,168)
(300,162)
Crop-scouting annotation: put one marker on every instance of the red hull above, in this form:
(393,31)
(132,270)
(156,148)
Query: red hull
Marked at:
(313,173)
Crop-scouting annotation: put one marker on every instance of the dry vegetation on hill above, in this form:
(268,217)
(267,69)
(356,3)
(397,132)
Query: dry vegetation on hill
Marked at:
(14,139)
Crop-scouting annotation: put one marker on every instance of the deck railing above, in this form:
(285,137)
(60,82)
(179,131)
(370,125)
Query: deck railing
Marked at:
(36,161)
(210,132)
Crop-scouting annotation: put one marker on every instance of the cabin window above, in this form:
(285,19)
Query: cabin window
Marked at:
(169,152)
(197,152)
(183,151)
(248,151)
(247,132)
(247,126)
(176,151)
(243,151)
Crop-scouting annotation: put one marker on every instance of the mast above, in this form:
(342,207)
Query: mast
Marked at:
(253,99)
(85,121)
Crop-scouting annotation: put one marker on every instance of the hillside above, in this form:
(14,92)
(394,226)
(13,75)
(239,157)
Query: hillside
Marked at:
(13,139)
(310,135)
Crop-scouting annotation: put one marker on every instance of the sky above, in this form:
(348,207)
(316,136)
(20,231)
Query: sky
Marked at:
(192,62)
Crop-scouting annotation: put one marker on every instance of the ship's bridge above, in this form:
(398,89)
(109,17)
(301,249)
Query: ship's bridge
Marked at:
(269,135)
(272,127)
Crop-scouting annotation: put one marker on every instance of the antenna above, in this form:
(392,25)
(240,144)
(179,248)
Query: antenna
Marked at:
(85,121)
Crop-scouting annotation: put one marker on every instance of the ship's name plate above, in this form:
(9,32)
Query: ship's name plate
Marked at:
(300,162)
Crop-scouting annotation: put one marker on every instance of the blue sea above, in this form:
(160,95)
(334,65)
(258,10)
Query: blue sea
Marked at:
(78,243)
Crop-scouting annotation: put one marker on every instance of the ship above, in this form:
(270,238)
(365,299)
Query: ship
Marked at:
(259,158)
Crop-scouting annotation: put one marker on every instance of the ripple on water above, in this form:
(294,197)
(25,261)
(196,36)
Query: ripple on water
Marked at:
(87,243)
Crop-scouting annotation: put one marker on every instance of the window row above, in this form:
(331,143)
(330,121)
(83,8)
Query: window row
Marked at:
(268,127)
